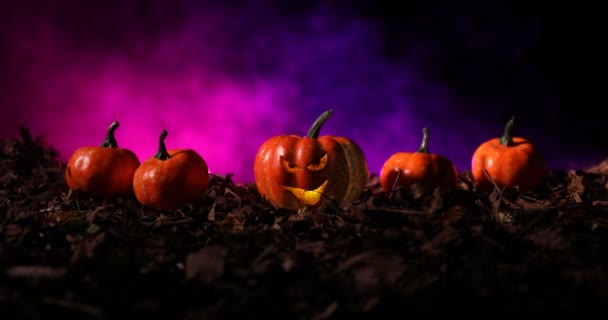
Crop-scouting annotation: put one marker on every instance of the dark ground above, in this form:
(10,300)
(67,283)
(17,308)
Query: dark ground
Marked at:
(232,255)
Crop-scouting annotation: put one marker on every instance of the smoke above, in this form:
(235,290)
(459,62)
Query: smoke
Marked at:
(222,79)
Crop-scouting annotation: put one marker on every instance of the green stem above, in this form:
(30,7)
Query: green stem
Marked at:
(110,141)
(316,126)
(424,147)
(162,153)
(507,138)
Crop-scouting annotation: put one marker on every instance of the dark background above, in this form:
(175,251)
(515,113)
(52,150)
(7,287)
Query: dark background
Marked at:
(460,67)
(543,61)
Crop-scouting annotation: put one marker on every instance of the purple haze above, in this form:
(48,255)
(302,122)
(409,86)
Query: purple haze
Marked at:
(222,81)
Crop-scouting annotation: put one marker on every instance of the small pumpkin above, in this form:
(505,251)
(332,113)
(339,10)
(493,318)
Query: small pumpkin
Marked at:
(171,178)
(403,169)
(295,172)
(509,161)
(102,171)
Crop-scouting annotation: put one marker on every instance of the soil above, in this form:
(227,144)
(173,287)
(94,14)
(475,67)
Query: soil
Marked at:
(233,255)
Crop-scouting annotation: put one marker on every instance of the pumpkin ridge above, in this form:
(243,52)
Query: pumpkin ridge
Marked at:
(357,168)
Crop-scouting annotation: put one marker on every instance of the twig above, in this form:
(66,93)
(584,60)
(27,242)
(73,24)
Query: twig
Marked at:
(395,184)
(87,309)
(403,211)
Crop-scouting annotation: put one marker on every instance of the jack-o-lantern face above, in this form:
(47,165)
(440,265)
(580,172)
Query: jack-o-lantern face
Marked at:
(294,172)
(306,196)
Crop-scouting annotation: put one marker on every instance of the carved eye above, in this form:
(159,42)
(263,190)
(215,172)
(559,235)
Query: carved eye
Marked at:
(316,167)
(288,166)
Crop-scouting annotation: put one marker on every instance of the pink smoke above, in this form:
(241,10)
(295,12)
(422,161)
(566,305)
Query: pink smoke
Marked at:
(223,80)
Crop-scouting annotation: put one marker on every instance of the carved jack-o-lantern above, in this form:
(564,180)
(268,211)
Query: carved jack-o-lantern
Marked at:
(293,172)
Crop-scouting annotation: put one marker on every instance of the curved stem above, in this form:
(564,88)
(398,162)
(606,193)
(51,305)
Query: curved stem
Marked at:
(162,153)
(507,138)
(424,147)
(316,126)
(110,141)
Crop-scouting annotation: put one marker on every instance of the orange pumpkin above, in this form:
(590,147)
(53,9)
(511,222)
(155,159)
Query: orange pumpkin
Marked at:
(294,172)
(509,161)
(403,169)
(171,178)
(102,171)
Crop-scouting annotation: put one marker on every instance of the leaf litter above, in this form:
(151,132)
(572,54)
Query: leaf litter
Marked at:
(232,254)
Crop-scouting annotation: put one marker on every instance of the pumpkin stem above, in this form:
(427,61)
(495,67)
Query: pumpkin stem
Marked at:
(162,153)
(316,126)
(110,141)
(507,138)
(424,147)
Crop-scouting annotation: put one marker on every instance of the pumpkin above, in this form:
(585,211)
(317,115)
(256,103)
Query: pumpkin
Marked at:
(104,171)
(171,178)
(294,172)
(509,161)
(403,169)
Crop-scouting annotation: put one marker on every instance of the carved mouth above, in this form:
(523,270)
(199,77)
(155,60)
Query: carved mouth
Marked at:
(308,197)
